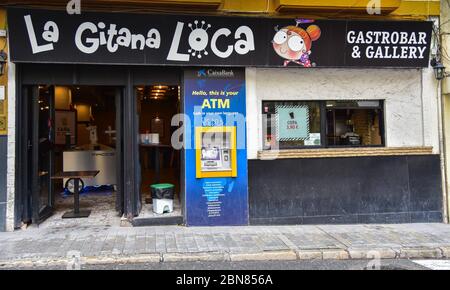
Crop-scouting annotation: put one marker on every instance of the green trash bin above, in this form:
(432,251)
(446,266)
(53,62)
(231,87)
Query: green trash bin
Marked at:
(162,190)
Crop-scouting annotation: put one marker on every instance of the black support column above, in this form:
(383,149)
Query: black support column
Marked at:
(131,186)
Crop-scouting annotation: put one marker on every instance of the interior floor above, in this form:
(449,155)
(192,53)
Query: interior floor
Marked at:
(101,204)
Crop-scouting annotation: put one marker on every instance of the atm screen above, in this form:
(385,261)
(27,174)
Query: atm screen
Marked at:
(210,154)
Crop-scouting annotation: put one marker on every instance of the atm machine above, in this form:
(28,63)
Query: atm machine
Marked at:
(215,152)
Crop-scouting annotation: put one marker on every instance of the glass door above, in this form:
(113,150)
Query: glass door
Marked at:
(42,143)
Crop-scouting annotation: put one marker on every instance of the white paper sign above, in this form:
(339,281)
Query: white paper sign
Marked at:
(314,140)
(2,93)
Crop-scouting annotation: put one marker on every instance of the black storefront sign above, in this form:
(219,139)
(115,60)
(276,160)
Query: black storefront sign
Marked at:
(186,40)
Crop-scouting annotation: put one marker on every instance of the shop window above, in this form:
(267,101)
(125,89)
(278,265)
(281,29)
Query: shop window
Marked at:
(354,123)
(322,124)
(292,124)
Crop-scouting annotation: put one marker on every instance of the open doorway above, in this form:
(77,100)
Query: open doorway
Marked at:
(160,162)
(75,131)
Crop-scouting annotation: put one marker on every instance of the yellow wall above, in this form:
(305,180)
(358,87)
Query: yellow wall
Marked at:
(276,8)
(3,80)
(63,98)
(334,8)
(418,8)
(445,42)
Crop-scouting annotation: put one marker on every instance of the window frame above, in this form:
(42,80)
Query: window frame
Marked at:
(324,124)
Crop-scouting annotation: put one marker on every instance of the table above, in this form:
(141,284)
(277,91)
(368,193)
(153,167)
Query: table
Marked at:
(156,148)
(76,176)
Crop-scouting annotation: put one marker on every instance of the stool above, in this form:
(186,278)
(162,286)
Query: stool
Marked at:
(162,196)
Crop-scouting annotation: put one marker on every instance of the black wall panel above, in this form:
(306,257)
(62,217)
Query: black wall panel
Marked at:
(106,75)
(345,190)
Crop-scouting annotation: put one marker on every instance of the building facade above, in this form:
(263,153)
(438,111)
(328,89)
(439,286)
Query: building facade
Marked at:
(328,117)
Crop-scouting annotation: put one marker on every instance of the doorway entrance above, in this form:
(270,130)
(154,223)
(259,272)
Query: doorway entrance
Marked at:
(160,162)
(115,87)
(73,129)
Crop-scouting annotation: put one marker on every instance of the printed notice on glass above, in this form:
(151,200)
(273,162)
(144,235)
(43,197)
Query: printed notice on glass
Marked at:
(314,140)
(2,93)
(292,123)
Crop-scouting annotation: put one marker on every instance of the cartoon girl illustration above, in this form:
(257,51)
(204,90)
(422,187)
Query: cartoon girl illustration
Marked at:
(294,43)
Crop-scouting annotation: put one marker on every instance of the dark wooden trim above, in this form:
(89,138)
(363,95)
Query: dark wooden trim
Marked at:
(131,151)
(35,154)
(21,179)
(119,156)
(52,152)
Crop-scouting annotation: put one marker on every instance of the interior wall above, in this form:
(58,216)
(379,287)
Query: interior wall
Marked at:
(164,110)
(63,98)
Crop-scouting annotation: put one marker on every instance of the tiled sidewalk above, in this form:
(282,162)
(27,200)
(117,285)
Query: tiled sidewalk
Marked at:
(97,244)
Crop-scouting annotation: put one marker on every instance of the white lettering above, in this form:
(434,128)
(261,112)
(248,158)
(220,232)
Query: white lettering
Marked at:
(112,47)
(153,38)
(395,36)
(135,38)
(421,51)
(369,52)
(223,54)
(360,38)
(32,36)
(243,46)
(51,32)
(412,39)
(351,37)
(422,38)
(173,51)
(385,37)
(403,37)
(93,41)
(124,38)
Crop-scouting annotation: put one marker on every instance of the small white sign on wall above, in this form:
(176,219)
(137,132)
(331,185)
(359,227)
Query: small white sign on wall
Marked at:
(2,93)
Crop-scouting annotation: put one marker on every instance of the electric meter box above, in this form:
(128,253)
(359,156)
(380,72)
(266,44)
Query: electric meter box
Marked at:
(215,152)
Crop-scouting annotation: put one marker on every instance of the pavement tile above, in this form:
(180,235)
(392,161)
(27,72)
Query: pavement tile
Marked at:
(245,243)
(171,244)
(160,242)
(150,242)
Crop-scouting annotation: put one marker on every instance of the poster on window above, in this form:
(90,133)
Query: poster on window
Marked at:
(65,123)
(292,123)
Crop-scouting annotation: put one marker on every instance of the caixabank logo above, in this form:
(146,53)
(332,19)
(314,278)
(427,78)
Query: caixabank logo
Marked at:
(215,73)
